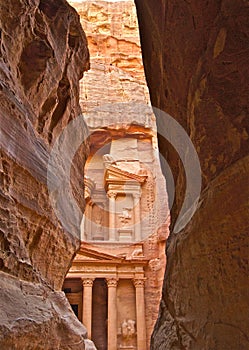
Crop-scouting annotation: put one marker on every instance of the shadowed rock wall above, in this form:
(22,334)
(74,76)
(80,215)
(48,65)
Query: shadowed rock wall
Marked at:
(43,55)
(196,63)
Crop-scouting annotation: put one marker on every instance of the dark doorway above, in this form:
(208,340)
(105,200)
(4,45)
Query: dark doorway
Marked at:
(99,314)
(75,308)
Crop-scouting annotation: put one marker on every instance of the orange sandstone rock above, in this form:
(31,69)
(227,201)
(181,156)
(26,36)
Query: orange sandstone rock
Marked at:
(43,55)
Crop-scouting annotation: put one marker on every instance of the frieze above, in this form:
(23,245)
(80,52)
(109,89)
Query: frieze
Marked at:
(92,268)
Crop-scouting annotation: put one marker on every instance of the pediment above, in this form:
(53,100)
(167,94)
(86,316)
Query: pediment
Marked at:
(116,173)
(90,254)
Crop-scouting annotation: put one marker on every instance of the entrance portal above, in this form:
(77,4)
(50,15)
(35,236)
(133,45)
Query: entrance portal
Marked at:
(99,314)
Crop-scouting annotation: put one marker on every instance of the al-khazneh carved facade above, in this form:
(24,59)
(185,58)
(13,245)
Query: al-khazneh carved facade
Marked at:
(114,284)
(116,278)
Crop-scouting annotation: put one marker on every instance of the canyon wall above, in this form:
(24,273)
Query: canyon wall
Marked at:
(117,73)
(196,63)
(43,55)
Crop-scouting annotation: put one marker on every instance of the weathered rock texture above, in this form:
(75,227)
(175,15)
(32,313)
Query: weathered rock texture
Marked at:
(196,63)
(43,55)
(117,73)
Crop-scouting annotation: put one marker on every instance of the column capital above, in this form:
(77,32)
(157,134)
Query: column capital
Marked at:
(112,282)
(87,282)
(139,282)
(112,194)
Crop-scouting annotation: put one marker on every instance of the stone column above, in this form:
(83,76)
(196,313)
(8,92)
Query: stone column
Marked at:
(137,219)
(140,313)
(112,313)
(87,305)
(112,212)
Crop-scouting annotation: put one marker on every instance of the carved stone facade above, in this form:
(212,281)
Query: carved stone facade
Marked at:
(119,268)
(121,297)
(115,282)
(116,195)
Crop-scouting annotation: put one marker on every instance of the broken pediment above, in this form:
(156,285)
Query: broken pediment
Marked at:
(126,171)
(92,253)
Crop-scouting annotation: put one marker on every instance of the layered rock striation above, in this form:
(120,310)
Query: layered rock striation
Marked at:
(196,63)
(43,55)
(117,74)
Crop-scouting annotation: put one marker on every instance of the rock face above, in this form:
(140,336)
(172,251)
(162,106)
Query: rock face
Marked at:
(43,55)
(196,63)
(117,73)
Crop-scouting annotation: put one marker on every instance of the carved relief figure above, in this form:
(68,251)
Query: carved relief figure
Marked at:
(99,227)
(125,216)
(124,329)
(131,328)
(128,331)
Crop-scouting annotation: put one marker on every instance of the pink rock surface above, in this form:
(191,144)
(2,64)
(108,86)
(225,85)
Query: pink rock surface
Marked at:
(43,55)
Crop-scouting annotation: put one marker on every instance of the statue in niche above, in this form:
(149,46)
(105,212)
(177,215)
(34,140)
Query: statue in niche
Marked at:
(131,327)
(99,227)
(128,331)
(124,329)
(125,216)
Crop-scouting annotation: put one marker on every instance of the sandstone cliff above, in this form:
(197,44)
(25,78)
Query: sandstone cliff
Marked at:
(117,73)
(196,63)
(43,55)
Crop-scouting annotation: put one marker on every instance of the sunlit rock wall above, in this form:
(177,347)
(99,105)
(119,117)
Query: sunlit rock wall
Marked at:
(43,55)
(196,63)
(116,74)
